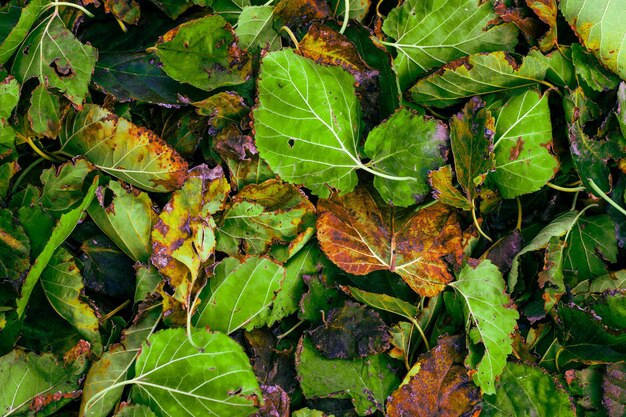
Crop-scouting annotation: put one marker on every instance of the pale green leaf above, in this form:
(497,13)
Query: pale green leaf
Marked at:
(476,75)
(383,302)
(600,27)
(240,294)
(524,163)
(44,112)
(53,55)
(175,378)
(62,284)
(431,33)
(9,96)
(490,320)
(126,151)
(255,29)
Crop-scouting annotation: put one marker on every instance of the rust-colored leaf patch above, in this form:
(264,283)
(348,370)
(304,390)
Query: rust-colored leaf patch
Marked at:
(438,386)
(361,236)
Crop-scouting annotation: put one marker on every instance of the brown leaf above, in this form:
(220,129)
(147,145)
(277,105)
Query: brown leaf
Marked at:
(438,386)
(547,11)
(297,13)
(125,10)
(361,236)
(276,402)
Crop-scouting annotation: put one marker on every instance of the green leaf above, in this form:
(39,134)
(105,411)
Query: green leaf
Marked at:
(9,96)
(600,28)
(589,71)
(63,285)
(591,242)
(230,9)
(559,63)
(172,8)
(357,9)
(127,220)
(120,148)
(240,294)
(63,186)
(44,112)
(31,382)
(175,378)
(183,238)
(19,29)
(201,53)
(135,410)
(62,230)
(261,215)
(367,381)
(526,390)
(383,302)
(444,190)
(524,163)
(476,75)
(429,34)
(255,29)
(14,247)
(114,365)
(53,55)
(490,320)
(307,122)
(307,412)
(406,145)
(147,280)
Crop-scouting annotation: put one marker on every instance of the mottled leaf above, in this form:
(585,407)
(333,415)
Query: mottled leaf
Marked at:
(444,190)
(63,186)
(614,390)
(383,302)
(547,11)
(589,72)
(417,246)
(255,29)
(44,112)
(14,248)
(297,13)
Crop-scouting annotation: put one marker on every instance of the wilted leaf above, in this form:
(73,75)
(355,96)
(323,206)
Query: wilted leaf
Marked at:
(444,190)
(14,248)
(526,390)
(63,285)
(429,34)
(319,298)
(239,294)
(125,10)
(203,53)
(183,237)
(349,332)
(522,147)
(490,320)
(172,375)
(297,13)
(476,75)
(63,186)
(614,390)
(276,402)
(438,385)
(255,29)
(33,382)
(367,381)
(127,208)
(600,29)
(261,215)
(53,55)
(547,11)
(124,150)
(418,246)
(406,145)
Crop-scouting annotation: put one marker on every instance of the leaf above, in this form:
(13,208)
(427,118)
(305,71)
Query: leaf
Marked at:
(44,112)
(61,231)
(621,107)
(255,30)
(239,294)
(114,365)
(31,382)
(53,55)
(367,381)
(406,145)
(19,29)
(590,72)
(14,248)
(307,412)
(203,53)
(127,208)
(614,391)
(351,331)
(9,97)
(489,320)
(295,118)
(523,141)
(383,302)
(125,10)
(63,285)
(547,11)
(527,390)
(560,70)
(261,215)
(599,28)
(172,8)
(135,410)
(416,246)
(298,13)
(477,74)
(429,34)
(63,186)
(444,190)
(122,149)
(147,280)
(437,385)
(183,238)
(175,378)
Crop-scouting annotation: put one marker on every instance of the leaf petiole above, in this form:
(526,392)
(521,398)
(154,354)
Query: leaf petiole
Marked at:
(483,234)
(346,16)
(291,36)
(606,197)
(69,4)
(565,189)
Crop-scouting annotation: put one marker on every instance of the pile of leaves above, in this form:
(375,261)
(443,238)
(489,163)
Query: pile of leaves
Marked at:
(312,208)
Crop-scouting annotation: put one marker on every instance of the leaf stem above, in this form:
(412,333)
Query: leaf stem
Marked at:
(69,4)
(298,324)
(346,16)
(101,394)
(483,234)
(114,311)
(605,197)
(565,189)
(121,25)
(291,36)
(39,152)
(518,226)
(421,332)
(378,9)
(382,174)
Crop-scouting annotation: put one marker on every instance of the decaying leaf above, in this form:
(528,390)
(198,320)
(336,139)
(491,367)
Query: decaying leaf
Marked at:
(421,247)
